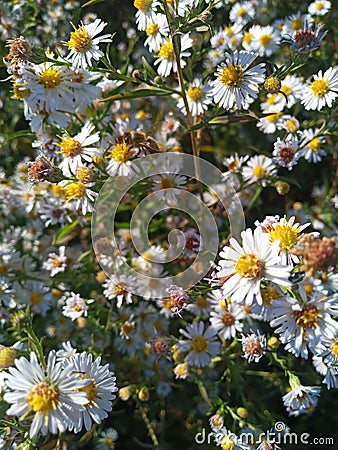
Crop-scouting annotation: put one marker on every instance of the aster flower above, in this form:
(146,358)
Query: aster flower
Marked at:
(259,169)
(288,233)
(79,196)
(120,157)
(228,440)
(310,145)
(167,187)
(242,268)
(84,43)
(302,323)
(56,263)
(108,439)
(75,307)
(201,344)
(236,83)
(300,399)
(286,153)
(77,149)
(156,30)
(242,12)
(319,7)
(117,287)
(265,40)
(51,398)
(166,60)
(181,371)
(253,346)
(322,91)
(198,97)
(234,162)
(145,12)
(226,316)
(100,390)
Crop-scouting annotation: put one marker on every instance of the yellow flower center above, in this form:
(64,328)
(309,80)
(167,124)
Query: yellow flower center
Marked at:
(127,328)
(273,117)
(167,182)
(269,293)
(286,89)
(227,443)
(84,174)
(70,147)
(228,319)
(241,12)
(75,191)
(167,51)
(320,87)
(182,370)
(291,125)
(307,317)
(259,172)
(201,302)
(50,78)
(195,93)
(334,348)
(120,289)
(43,398)
(232,76)
(143,5)
(319,6)
(91,391)
(248,266)
(233,166)
(265,40)
(247,37)
(152,29)
(199,344)
(20,91)
(36,298)
(288,237)
(80,41)
(120,152)
(314,144)
(297,24)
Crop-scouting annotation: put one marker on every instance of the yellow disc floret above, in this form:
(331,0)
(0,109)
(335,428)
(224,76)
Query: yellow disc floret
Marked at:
(43,398)
(232,76)
(199,344)
(80,41)
(50,78)
(248,266)
(320,87)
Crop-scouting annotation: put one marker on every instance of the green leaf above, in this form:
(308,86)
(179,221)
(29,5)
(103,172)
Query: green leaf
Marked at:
(148,68)
(92,2)
(137,94)
(66,234)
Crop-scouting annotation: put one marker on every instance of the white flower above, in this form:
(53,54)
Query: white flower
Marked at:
(120,160)
(302,323)
(242,12)
(156,29)
(322,91)
(202,345)
(198,97)
(167,187)
(117,287)
(166,60)
(253,346)
(236,83)
(146,11)
(108,439)
(75,307)
(300,399)
(265,40)
(258,169)
(310,144)
(80,196)
(287,232)
(319,7)
(56,263)
(286,152)
(225,318)
(242,268)
(52,398)
(77,149)
(84,43)
(100,390)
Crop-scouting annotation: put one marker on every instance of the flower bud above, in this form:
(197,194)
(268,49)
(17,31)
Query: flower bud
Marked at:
(7,357)
(282,187)
(143,394)
(125,393)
